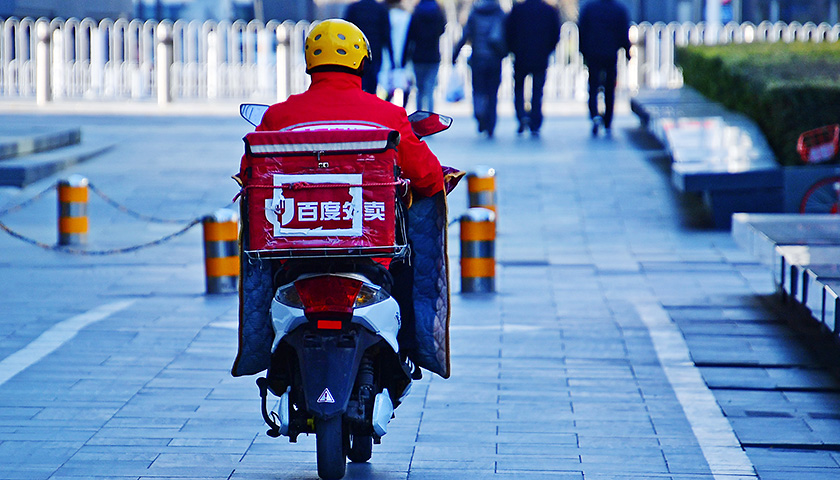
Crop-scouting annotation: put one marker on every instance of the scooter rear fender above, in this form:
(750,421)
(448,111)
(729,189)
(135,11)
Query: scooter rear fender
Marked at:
(329,364)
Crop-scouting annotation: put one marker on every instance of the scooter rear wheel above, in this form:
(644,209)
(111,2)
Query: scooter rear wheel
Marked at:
(361,448)
(329,442)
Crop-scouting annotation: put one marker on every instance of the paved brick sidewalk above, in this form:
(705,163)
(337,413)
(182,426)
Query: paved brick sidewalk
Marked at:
(577,369)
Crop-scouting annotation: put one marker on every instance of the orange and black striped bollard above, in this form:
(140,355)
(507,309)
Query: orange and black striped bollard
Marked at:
(481,183)
(478,250)
(221,251)
(72,211)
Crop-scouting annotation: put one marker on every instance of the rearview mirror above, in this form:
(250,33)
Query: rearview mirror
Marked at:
(425,123)
(253,112)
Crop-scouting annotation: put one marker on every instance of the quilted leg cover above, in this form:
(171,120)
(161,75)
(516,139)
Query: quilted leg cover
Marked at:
(256,289)
(427,222)
(255,332)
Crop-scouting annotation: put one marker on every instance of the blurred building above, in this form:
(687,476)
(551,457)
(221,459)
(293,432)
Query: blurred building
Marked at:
(194,9)
(755,11)
(247,10)
(97,9)
(285,10)
(163,9)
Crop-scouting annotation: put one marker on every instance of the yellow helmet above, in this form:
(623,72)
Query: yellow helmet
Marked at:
(336,42)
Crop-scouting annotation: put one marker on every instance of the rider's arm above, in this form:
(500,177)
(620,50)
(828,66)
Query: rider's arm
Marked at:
(418,163)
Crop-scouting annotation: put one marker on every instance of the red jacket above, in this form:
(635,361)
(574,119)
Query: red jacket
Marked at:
(339,96)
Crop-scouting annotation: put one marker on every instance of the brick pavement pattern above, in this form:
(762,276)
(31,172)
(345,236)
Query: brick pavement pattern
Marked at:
(561,375)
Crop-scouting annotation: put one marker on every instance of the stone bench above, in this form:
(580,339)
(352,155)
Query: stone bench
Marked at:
(804,251)
(31,153)
(717,153)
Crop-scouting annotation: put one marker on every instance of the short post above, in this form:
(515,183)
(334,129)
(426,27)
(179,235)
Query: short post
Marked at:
(478,251)
(97,59)
(43,63)
(640,58)
(481,184)
(221,251)
(72,211)
(212,64)
(264,42)
(163,62)
(284,61)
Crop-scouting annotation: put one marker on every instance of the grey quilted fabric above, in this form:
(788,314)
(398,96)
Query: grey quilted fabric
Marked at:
(255,332)
(427,234)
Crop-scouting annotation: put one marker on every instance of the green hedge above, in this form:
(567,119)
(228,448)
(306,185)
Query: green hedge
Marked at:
(785,88)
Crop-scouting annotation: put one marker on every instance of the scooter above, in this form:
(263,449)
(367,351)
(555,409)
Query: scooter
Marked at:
(336,363)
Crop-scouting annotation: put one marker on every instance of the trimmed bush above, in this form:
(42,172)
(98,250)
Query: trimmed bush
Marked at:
(785,88)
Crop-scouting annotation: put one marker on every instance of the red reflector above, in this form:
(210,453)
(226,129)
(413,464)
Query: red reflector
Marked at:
(328,294)
(329,324)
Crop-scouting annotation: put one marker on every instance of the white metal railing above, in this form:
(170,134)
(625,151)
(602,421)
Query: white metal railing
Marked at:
(122,59)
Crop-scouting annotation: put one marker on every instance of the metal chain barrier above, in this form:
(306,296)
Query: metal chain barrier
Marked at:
(76,251)
(129,211)
(26,203)
(114,251)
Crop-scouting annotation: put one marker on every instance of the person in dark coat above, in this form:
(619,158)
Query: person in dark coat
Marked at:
(372,19)
(422,48)
(604,27)
(485,32)
(532,30)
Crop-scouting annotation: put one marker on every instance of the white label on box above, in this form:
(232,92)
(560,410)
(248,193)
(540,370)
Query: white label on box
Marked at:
(335,211)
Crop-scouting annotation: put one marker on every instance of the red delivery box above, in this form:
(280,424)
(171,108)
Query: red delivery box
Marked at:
(321,189)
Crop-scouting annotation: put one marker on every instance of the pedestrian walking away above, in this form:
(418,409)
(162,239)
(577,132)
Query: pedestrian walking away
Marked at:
(485,32)
(532,30)
(372,19)
(422,49)
(396,77)
(604,27)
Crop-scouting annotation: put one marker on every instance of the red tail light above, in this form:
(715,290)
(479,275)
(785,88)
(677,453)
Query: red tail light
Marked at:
(328,296)
(329,324)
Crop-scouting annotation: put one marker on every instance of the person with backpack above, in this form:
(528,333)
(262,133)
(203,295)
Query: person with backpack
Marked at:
(485,32)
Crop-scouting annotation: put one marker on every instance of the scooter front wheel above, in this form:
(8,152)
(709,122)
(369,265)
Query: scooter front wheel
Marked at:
(329,442)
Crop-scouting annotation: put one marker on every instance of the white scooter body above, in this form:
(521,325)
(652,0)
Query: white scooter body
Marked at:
(381,318)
